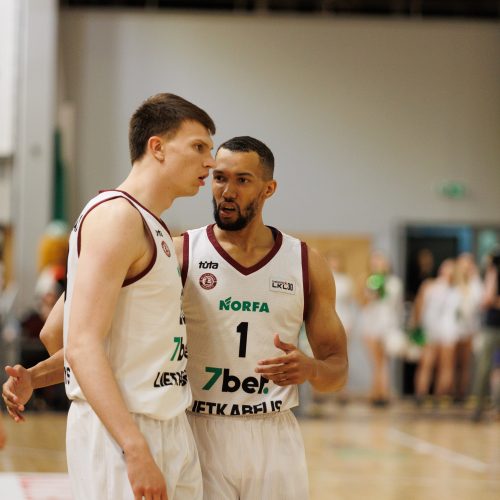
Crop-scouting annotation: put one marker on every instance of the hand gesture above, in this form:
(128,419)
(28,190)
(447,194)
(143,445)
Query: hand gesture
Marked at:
(292,368)
(17,391)
(145,477)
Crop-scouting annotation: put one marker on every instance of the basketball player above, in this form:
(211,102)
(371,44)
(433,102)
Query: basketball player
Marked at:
(124,332)
(247,290)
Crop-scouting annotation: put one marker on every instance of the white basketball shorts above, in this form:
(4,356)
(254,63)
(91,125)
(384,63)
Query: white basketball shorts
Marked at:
(97,467)
(258,457)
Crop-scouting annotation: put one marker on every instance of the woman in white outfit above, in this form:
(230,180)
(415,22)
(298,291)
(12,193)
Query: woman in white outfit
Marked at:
(381,319)
(436,308)
(344,300)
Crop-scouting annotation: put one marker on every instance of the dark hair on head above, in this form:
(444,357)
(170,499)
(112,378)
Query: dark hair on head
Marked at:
(162,114)
(246,144)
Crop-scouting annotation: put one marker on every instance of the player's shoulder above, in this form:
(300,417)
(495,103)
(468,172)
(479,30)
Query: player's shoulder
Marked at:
(317,261)
(183,239)
(288,241)
(197,231)
(114,219)
(116,210)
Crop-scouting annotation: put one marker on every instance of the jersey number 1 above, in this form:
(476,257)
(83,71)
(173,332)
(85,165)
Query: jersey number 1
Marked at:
(242,329)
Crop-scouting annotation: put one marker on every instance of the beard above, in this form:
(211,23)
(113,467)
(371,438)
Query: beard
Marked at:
(242,219)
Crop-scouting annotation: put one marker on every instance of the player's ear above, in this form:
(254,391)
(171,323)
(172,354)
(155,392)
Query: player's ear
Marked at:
(155,146)
(270,188)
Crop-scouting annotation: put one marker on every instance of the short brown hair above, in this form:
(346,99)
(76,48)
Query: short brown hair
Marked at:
(247,144)
(159,115)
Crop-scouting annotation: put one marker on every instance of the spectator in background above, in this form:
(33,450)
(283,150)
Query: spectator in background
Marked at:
(421,270)
(381,323)
(470,290)
(344,302)
(491,344)
(53,246)
(435,311)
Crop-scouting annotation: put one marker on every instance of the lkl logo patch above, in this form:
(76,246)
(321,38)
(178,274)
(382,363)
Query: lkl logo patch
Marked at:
(283,286)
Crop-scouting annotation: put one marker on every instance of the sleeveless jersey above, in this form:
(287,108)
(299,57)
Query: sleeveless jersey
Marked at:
(440,311)
(146,344)
(232,314)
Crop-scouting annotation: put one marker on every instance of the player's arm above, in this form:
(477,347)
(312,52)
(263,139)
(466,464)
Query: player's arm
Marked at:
(113,243)
(51,334)
(325,331)
(18,388)
(327,371)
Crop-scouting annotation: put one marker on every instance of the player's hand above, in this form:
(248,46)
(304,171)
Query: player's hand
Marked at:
(145,477)
(17,391)
(293,368)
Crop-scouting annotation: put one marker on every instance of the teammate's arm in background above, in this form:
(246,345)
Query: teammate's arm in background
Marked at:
(327,371)
(18,388)
(114,242)
(51,334)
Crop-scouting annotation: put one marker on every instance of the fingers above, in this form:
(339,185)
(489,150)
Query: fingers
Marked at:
(8,395)
(17,417)
(151,494)
(283,380)
(14,371)
(278,375)
(283,345)
(282,360)
(11,401)
(14,411)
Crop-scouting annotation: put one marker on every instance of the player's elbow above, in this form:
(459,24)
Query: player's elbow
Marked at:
(336,379)
(340,381)
(74,352)
(343,378)
(47,339)
(51,337)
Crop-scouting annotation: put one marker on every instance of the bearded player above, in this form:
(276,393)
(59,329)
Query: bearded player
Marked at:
(248,288)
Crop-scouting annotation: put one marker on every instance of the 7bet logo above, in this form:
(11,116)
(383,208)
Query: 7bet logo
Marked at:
(231,383)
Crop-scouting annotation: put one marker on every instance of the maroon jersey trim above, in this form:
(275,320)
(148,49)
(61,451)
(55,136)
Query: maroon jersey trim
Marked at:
(278,241)
(140,204)
(305,275)
(185,257)
(148,268)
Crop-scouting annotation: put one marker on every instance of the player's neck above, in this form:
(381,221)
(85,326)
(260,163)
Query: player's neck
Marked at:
(142,185)
(254,236)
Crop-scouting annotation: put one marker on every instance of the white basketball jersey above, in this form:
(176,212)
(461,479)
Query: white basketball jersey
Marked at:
(232,314)
(146,345)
